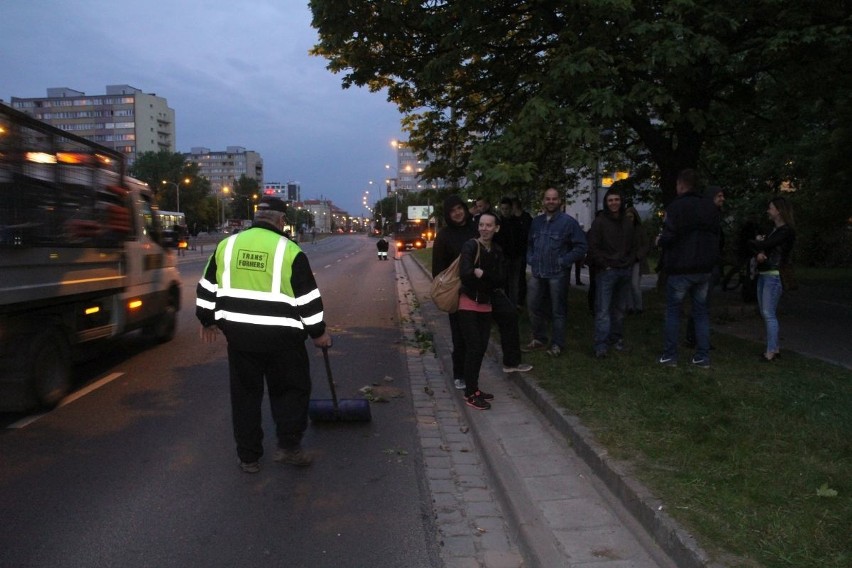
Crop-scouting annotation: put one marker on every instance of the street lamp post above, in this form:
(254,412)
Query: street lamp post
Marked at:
(388,182)
(177,190)
(224,194)
(366,201)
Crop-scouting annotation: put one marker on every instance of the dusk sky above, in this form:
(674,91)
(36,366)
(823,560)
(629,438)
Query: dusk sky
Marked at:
(236,74)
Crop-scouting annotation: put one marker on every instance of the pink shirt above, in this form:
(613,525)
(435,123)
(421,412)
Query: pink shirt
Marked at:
(465,303)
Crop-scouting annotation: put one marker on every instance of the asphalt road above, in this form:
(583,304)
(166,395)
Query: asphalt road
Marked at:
(139,467)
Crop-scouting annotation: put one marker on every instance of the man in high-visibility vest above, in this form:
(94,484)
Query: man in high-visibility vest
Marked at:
(258,289)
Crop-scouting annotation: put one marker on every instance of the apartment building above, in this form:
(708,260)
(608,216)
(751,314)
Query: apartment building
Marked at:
(405,176)
(224,168)
(321,210)
(290,191)
(124,119)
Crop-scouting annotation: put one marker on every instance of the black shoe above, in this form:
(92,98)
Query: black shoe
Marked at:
(476,402)
(484,395)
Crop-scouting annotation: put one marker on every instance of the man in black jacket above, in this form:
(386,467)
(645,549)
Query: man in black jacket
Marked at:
(259,291)
(690,242)
(513,240)
(612,252)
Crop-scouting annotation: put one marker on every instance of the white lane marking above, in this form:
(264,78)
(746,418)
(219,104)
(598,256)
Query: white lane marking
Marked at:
(24,422)
(94,386)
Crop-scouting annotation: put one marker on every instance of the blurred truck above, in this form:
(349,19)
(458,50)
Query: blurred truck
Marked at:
(410,235)
(83,258)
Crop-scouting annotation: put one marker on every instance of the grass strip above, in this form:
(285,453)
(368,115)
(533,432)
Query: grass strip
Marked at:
(754,459)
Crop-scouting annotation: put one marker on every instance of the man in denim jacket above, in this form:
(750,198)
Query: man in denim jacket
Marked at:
(555,243)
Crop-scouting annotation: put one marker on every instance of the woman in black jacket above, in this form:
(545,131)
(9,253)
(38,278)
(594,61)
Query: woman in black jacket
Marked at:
(482,271)
(448,243)
(773,252)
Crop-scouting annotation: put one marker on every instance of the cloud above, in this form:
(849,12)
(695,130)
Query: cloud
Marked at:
(236,74)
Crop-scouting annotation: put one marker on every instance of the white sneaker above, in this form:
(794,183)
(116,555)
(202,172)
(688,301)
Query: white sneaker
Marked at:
(459,384)
(519,368)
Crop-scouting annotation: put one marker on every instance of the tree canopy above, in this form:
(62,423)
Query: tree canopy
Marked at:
(520,93)
(246,192)
(164,172)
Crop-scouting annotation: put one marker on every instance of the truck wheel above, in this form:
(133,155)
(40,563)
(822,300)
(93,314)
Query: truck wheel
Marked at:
(164,329)
(50,376)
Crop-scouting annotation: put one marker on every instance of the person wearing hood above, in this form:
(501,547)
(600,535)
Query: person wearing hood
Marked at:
(458,229)
(612,252)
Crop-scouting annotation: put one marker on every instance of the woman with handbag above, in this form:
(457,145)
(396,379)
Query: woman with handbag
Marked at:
(773,256)
(482,271)
(458,229)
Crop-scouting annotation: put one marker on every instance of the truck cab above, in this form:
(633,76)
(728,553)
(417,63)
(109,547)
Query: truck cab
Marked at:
(82,256)
(409,235)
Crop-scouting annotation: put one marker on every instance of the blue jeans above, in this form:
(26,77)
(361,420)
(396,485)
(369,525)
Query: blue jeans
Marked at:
(547,300)
(610,293)
(768,296)
(677,287)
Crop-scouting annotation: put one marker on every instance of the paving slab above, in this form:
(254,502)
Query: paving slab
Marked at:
(512,490)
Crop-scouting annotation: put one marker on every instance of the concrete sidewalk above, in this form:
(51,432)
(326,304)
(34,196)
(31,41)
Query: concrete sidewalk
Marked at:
(537,490)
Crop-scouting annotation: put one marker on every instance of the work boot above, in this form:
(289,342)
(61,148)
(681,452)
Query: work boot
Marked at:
(293,456)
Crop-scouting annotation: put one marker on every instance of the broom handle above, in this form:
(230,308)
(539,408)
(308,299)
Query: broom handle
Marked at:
(330,379)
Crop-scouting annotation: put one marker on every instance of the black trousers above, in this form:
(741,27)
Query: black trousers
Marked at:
(505,315)
(288,380)
(476,328)
(458,354)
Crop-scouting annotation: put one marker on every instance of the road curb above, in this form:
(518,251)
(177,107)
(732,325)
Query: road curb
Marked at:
(646,509)
(649,511)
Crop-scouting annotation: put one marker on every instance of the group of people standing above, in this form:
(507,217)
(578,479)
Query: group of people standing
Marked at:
(496,249)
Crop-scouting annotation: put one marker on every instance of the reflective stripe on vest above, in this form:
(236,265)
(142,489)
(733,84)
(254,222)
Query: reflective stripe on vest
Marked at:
(275,294)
